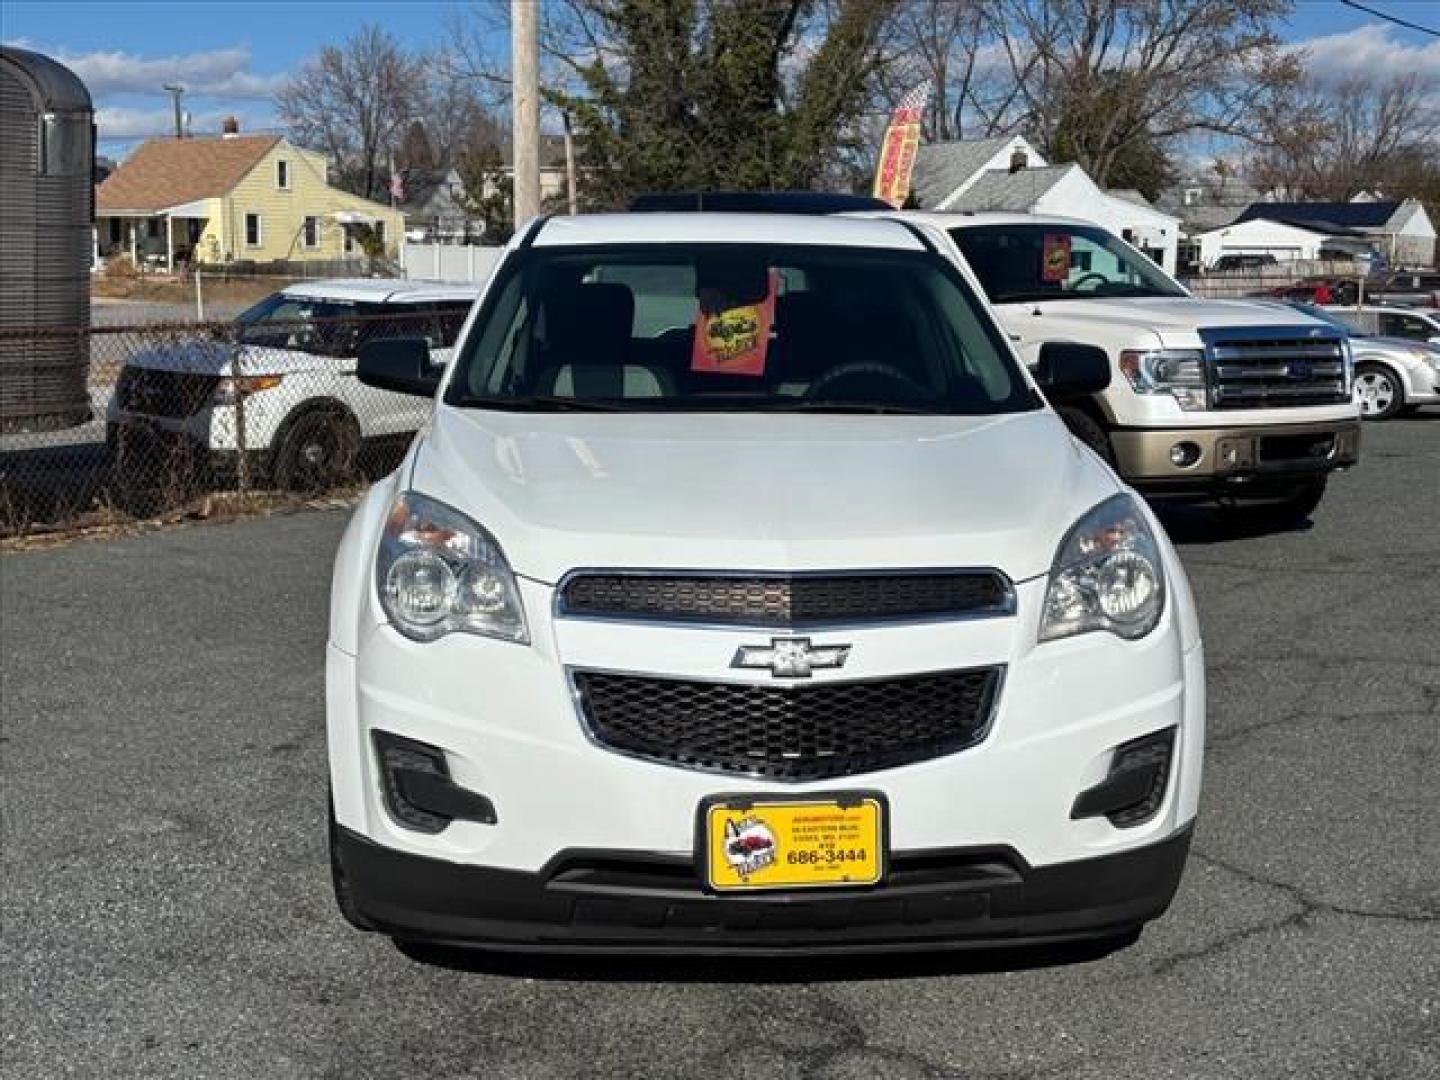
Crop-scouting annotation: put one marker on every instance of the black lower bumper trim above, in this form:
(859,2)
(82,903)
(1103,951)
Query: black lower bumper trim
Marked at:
(641,903)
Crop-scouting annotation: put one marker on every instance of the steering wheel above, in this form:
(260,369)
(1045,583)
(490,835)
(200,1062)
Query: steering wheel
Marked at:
(1100,279)
(862,369)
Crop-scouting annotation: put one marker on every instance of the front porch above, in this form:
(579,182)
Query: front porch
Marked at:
(155,241)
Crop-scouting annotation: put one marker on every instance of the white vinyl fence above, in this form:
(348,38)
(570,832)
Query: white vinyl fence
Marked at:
(447,262)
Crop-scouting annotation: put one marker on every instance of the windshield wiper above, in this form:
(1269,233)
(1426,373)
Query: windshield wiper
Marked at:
(886,408)
(539,403)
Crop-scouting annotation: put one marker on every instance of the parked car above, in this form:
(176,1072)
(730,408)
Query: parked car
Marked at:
(1232,400)
(1321,290)
(1393,374)
(1412,323)
(1405,288)
(852,589)
(282,386)
(1230,264)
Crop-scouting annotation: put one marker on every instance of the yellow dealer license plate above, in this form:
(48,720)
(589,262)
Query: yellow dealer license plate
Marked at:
(770,843)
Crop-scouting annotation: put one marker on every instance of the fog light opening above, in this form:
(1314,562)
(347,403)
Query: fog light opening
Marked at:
(418,791)
(1184,455)
(1135,788)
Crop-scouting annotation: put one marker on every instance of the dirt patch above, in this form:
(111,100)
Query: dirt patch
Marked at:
(217,289)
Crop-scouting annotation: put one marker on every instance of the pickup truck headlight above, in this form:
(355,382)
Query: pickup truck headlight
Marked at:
(1178,372)
(438,572)
(1107,575)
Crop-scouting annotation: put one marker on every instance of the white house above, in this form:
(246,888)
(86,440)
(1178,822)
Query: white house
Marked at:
(1010,174)
(1401,230)
(1262,236)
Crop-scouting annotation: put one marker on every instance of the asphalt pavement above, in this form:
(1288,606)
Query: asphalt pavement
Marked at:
(167,909)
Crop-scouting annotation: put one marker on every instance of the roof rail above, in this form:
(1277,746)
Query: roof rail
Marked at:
(756,202)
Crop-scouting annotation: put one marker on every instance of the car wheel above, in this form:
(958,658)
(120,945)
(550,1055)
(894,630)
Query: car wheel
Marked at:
(1284,512)
(317,451)
(1377,392)
(1085,428)
(343,898)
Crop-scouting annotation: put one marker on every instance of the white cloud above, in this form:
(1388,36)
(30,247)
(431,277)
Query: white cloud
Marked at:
(1372,50)
(220,73)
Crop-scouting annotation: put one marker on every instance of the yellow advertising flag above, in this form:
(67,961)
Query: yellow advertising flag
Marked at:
(901,144)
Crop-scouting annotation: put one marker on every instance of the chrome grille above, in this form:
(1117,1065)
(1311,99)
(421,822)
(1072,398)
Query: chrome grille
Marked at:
(794,733)
(787,600)
(1260,371)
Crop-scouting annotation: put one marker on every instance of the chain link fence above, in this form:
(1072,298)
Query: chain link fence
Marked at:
(185,417)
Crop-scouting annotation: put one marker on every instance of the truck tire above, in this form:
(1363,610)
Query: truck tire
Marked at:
(1378,391)
(316,451)
(1284,512)
(1088,430)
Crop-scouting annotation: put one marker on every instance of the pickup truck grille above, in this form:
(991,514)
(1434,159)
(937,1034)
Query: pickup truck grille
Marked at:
(792,733)
(1265,372)
(155,392)
(786,600)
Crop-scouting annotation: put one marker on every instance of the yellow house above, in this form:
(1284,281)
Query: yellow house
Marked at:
(237,198)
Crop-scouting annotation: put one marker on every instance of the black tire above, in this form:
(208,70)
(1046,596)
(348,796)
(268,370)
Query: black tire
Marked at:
(1285,511)
(341,884)
(1088,430)
(316,451)
(1378,391)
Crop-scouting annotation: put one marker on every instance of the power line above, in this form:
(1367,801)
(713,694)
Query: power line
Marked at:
(1391,18)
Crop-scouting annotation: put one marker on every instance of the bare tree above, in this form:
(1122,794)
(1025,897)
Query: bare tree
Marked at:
(354,101)
(1333,141)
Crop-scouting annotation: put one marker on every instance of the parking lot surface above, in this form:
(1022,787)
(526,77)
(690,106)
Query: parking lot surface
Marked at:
(167,908)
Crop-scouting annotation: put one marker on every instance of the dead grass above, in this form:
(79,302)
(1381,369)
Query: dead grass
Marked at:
(216,290)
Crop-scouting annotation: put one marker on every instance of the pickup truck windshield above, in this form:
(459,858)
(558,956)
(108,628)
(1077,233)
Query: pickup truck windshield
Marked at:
(1019,263)
(740,328)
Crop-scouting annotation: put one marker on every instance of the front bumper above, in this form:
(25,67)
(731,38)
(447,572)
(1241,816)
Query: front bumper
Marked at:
(638,902)
(1229,458)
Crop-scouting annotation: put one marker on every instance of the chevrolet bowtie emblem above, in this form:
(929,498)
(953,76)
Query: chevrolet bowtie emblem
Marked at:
(790,658)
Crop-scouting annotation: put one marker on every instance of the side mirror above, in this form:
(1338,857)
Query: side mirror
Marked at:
(1069,369)
(399,364)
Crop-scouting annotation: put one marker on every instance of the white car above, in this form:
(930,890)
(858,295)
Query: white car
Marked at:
(282,388)
(742,593)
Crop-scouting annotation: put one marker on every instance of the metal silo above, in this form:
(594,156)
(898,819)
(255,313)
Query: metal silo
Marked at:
(47,157)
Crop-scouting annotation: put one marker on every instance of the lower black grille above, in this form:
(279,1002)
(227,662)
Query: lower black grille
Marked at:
(154,392)
(794,733)
(787,600)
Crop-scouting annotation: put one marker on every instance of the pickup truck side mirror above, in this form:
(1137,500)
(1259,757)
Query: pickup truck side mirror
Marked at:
(1067,369)
(399,364)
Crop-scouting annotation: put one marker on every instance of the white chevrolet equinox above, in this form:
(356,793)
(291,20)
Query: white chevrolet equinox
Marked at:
(743,594)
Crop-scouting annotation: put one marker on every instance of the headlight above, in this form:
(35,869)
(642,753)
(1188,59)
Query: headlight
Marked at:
(1107,575)
(228,388)
(438,572)
(1178,372)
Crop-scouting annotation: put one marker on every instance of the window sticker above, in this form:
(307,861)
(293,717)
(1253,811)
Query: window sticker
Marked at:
(730,338)
(1055,259)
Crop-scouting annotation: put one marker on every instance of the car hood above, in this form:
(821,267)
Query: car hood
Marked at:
(208,356)
(762,491)
(1178,314)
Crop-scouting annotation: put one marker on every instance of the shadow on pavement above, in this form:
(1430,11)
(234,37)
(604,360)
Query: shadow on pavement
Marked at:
(597,967)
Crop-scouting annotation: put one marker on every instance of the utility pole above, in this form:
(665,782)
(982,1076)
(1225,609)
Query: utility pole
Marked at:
(525,107)
(176,91)
(570,166)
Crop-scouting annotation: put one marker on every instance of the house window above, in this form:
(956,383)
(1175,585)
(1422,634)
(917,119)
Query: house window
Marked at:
(115,230)
(282,174)
(349,240)
(380,231)
(254,231)
(152,228)
(312,232)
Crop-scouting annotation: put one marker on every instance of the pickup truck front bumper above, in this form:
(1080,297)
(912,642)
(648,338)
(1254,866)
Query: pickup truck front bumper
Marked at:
(1232,459)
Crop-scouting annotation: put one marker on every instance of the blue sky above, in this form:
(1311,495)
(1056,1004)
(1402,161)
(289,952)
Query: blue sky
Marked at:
(232,56)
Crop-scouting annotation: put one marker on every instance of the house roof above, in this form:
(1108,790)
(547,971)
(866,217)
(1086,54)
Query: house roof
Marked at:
(1000,189)
(166,172)
(1323,216)
(942,167)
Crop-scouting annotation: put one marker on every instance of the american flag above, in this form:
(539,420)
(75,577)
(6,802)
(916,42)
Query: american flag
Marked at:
(911,107)
(397,184)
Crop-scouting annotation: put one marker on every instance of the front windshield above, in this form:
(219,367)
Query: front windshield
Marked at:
(1055,261)
(735,327)
(305,324)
